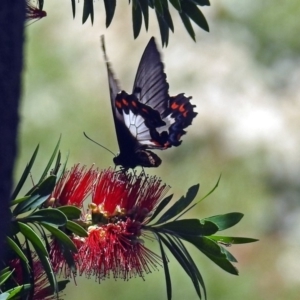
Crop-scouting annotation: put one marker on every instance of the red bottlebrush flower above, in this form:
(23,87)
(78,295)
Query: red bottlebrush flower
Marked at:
(122,203)
(34,12)
(73,187)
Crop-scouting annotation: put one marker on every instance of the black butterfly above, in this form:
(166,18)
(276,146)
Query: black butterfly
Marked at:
(148,118)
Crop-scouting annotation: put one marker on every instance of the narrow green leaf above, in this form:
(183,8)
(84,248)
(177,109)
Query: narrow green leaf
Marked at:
(32,237)
(168,19)
(193,265)
(18,292)
(25,174)
(136,19)
(201,2)
(163,28)
(193,12)
(158,6)
(62,168)
(88,10)
(5,276)
(228,240)
(45,173)
(166,268)
(176,4)
(4,270)
(160,207)
(61,236)
(110,6)
(49,215)
(48,269)
(225,221)
(73,8)
(41,4)
(214,252)
(197,202)
(183,261)
(189,227)
(77,229)
(38,197)
(13,245)
(145,10)
(187,24)
(72,212)
(16,201)
(179,205)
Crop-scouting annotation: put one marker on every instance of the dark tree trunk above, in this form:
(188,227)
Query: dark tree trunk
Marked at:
(12,16)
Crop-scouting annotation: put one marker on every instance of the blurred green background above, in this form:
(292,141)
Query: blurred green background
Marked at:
(244,78)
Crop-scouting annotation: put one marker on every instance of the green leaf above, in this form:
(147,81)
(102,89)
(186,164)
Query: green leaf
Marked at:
(16,201)
(179,205)
(183,261)
(228,240)
(25,174)
(201,2)
(4,270)
(189,227)
(176,4)
(136,19)
(145,10)
(88,10)
(160,207)
(72,212)
(158,6)
(110,6)
(61,236)
(168,19)
(187,24)
(16,249)
(50,162)
(166,268)
(5,276)
(49,215)
(33,238)
(193,12)
(38,197)
(73,8)
(163,28)
(77,229)
(225,221)
(213,251)
(193,265)
(18,292)
(62,168)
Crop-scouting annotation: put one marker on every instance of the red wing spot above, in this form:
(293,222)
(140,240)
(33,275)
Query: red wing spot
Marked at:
(174,105)
(181,108)
(118,104)
(134,104)
(125,102)
(145,110)
(185,114)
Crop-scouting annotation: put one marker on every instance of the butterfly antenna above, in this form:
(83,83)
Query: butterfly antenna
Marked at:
(98,144)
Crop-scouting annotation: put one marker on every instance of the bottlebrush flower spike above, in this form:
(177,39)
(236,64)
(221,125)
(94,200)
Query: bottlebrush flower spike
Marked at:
(121,204)
(73,187)
(33,12)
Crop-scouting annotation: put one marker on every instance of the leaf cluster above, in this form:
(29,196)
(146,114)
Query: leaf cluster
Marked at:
(31,225)
(188,11)
(171,232)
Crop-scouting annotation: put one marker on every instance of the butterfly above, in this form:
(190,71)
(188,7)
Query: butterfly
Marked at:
(148,118)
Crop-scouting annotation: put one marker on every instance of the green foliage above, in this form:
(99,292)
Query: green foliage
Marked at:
(187,9)
(199,232)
